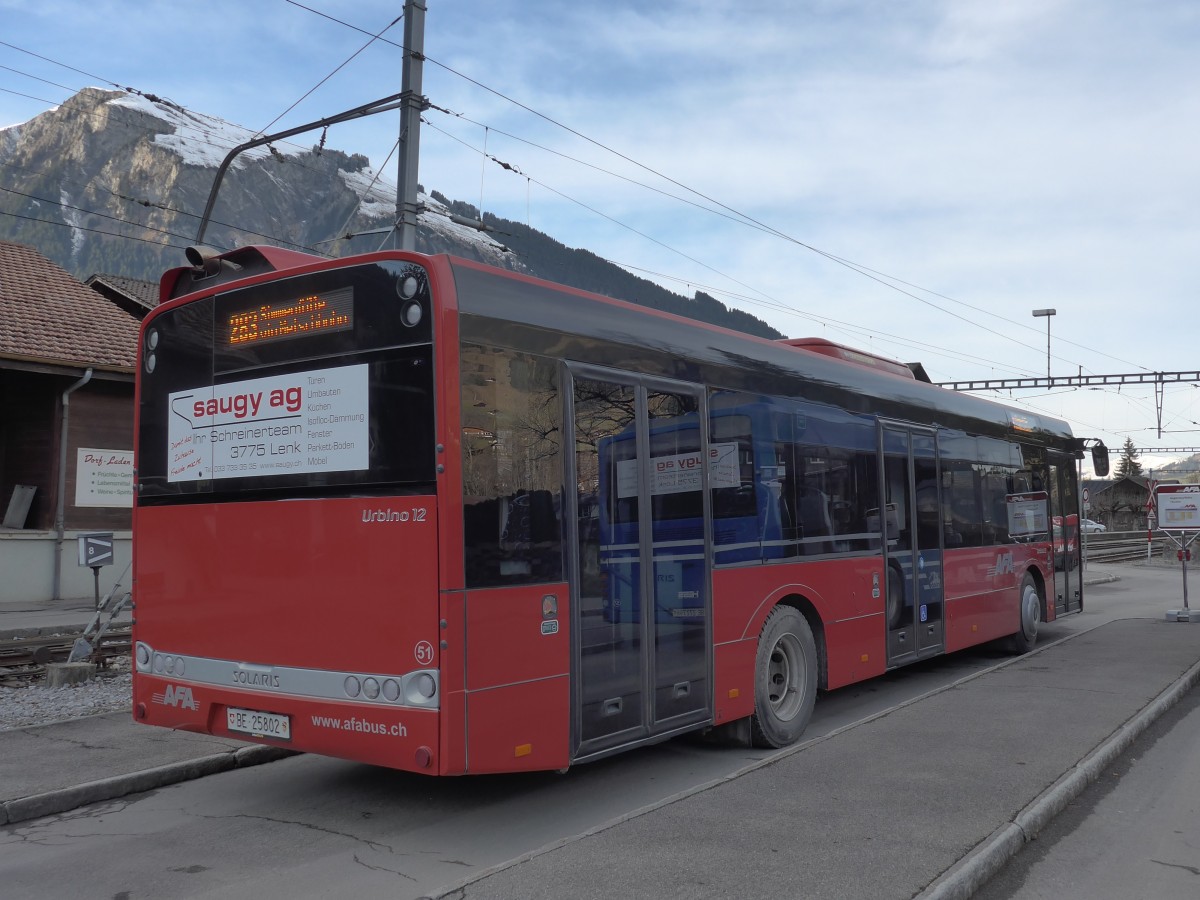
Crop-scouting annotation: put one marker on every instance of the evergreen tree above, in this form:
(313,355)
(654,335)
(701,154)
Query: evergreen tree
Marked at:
(1128,464)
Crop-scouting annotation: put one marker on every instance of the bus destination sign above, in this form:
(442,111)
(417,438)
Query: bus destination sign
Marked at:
(320,313)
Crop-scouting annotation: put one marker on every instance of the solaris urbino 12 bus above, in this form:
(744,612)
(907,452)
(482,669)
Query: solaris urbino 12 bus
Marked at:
(428,514)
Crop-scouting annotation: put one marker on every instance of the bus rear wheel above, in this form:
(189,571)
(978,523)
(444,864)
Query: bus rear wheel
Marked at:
(1031,616)
(785,679)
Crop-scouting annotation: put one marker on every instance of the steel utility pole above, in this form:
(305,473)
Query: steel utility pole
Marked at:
(412,104)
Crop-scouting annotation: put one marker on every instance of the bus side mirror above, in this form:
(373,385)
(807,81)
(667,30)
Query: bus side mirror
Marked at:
(1100,460)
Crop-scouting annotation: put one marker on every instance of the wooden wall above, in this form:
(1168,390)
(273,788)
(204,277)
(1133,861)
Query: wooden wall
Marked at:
(101,416)
(27,441)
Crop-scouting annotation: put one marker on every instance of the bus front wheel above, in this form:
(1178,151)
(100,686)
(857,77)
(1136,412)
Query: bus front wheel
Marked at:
(1031,616)
(785,679)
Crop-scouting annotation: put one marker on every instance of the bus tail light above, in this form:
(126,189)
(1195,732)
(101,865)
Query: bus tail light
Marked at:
(420,689)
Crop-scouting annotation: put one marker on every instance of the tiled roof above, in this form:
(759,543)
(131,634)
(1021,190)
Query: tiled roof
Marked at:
(144,292)
(47,316)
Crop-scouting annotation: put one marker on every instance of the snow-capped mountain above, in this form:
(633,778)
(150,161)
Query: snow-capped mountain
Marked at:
(114,182)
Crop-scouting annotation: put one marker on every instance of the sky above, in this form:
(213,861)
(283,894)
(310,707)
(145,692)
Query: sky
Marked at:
(909,177)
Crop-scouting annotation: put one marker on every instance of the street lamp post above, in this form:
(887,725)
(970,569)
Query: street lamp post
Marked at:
(1046,314)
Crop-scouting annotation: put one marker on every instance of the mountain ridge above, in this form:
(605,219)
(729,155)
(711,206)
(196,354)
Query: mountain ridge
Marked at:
(113,182)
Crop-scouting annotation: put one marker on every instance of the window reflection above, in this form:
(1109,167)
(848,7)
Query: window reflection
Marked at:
(511,464)
(980,476)
(796,479)
(609,561)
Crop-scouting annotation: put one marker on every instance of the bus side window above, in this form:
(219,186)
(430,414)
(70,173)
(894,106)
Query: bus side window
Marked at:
(511,462)
(836,490)
(960,495)
(816,519)
(734,494)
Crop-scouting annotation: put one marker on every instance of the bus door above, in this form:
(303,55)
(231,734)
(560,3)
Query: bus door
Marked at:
(1064,518)
(912,543)
(641,550)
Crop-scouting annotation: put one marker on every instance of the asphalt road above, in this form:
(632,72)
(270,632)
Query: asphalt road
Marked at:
(314,827)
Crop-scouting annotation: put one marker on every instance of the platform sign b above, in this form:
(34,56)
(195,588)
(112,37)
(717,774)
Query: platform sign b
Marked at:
(96,550)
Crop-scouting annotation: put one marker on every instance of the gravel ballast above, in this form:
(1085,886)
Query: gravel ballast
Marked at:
(110,691)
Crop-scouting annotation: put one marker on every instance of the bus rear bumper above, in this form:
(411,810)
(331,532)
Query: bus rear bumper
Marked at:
(397,737)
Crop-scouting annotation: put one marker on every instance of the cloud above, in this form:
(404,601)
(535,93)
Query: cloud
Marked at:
(1012,155)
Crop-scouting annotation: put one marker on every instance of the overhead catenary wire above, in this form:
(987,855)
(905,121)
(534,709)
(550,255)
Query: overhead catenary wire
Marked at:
(35,78)
(92,230)
(775,304)
(739,219)
(837,324)
(62,64)
(342,233)
(339,68)
(91,212)
(148,205)
(739,215)
(771,304)
(734,214)
(211,137)
(847,262)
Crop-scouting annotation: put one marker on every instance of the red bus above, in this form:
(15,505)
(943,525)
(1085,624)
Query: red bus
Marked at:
(408,510)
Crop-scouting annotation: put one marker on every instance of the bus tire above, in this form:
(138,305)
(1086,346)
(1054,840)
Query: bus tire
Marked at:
(1031,616)
(785,679)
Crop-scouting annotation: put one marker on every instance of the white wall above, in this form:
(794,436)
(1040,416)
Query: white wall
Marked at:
(27,561)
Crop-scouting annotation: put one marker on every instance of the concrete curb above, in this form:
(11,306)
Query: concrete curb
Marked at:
(970,873)
(65,799)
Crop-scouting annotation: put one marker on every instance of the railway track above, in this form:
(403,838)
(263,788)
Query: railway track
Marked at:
(24,660)
(1123,547)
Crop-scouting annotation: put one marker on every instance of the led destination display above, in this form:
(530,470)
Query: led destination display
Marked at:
(311,314)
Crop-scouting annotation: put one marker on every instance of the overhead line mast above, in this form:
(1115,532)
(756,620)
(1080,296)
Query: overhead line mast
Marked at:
(1158,379)
(412,104)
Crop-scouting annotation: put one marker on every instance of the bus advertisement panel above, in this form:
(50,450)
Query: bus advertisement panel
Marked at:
(264,425)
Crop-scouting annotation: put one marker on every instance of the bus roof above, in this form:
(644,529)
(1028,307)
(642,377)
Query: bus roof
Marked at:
(515,309)
(851,355)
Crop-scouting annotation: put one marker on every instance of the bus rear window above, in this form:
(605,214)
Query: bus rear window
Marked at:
(313,384)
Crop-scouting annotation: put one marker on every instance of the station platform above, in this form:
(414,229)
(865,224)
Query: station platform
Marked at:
(48,617)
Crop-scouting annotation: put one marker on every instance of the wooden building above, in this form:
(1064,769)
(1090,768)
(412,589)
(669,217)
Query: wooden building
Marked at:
(1120,504)
(67,358)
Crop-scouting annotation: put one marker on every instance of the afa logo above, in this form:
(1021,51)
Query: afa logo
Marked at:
(1003,566)
(177,697)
